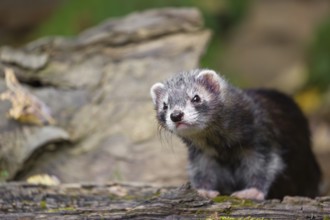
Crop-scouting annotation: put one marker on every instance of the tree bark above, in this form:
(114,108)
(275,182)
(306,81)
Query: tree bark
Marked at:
(138,201)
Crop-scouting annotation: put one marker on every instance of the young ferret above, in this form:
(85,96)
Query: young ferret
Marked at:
(249,143)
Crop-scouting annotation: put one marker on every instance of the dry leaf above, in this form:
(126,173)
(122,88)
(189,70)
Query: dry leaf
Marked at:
(43,179)
(26,107)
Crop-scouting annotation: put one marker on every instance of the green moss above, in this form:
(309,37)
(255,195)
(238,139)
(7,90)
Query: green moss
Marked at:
(220,199)
(3,174)
(43,204)
(65,209)
(219,218)
(326,217)
(253,218)
(236,202)
(227,211)
(226,218)
(216,217)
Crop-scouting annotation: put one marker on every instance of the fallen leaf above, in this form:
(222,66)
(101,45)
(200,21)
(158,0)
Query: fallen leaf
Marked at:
(26,107)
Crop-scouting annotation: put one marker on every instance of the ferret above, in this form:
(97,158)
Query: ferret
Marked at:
(248,143)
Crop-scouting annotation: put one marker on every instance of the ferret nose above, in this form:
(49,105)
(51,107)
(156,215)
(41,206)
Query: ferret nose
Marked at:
(176,116)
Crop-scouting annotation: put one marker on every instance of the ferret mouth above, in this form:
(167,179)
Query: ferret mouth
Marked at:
(182,125)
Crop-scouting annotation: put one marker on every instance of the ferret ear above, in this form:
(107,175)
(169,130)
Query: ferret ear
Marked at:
(210,79)
(155,91)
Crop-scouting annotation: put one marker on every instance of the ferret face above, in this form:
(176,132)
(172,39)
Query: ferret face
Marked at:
(185,103)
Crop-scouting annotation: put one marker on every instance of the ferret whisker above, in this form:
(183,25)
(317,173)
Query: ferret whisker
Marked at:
(165,137)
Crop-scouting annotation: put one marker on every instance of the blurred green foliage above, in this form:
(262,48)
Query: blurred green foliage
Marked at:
(76,15)
(319,58)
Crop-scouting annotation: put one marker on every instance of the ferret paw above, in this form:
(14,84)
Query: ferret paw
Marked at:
(250,193)
(210,194)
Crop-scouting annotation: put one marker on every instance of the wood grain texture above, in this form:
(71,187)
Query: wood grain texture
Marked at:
(138,201)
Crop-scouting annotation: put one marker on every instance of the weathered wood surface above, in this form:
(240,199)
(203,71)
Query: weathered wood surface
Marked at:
(97,86)
(125,201)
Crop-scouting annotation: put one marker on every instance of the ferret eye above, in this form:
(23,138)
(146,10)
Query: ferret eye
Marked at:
(196,99)
(165,107)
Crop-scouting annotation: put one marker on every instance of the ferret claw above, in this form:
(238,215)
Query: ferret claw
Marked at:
(208,193)
(250,193)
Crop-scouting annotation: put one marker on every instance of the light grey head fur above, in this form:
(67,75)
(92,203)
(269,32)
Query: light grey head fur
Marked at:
(177,95)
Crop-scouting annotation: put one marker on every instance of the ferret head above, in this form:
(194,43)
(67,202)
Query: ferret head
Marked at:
(185,104)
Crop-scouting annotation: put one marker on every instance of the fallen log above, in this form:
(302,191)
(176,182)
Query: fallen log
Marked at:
(139,201)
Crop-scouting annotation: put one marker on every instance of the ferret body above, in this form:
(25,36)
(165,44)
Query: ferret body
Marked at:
(247,143)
